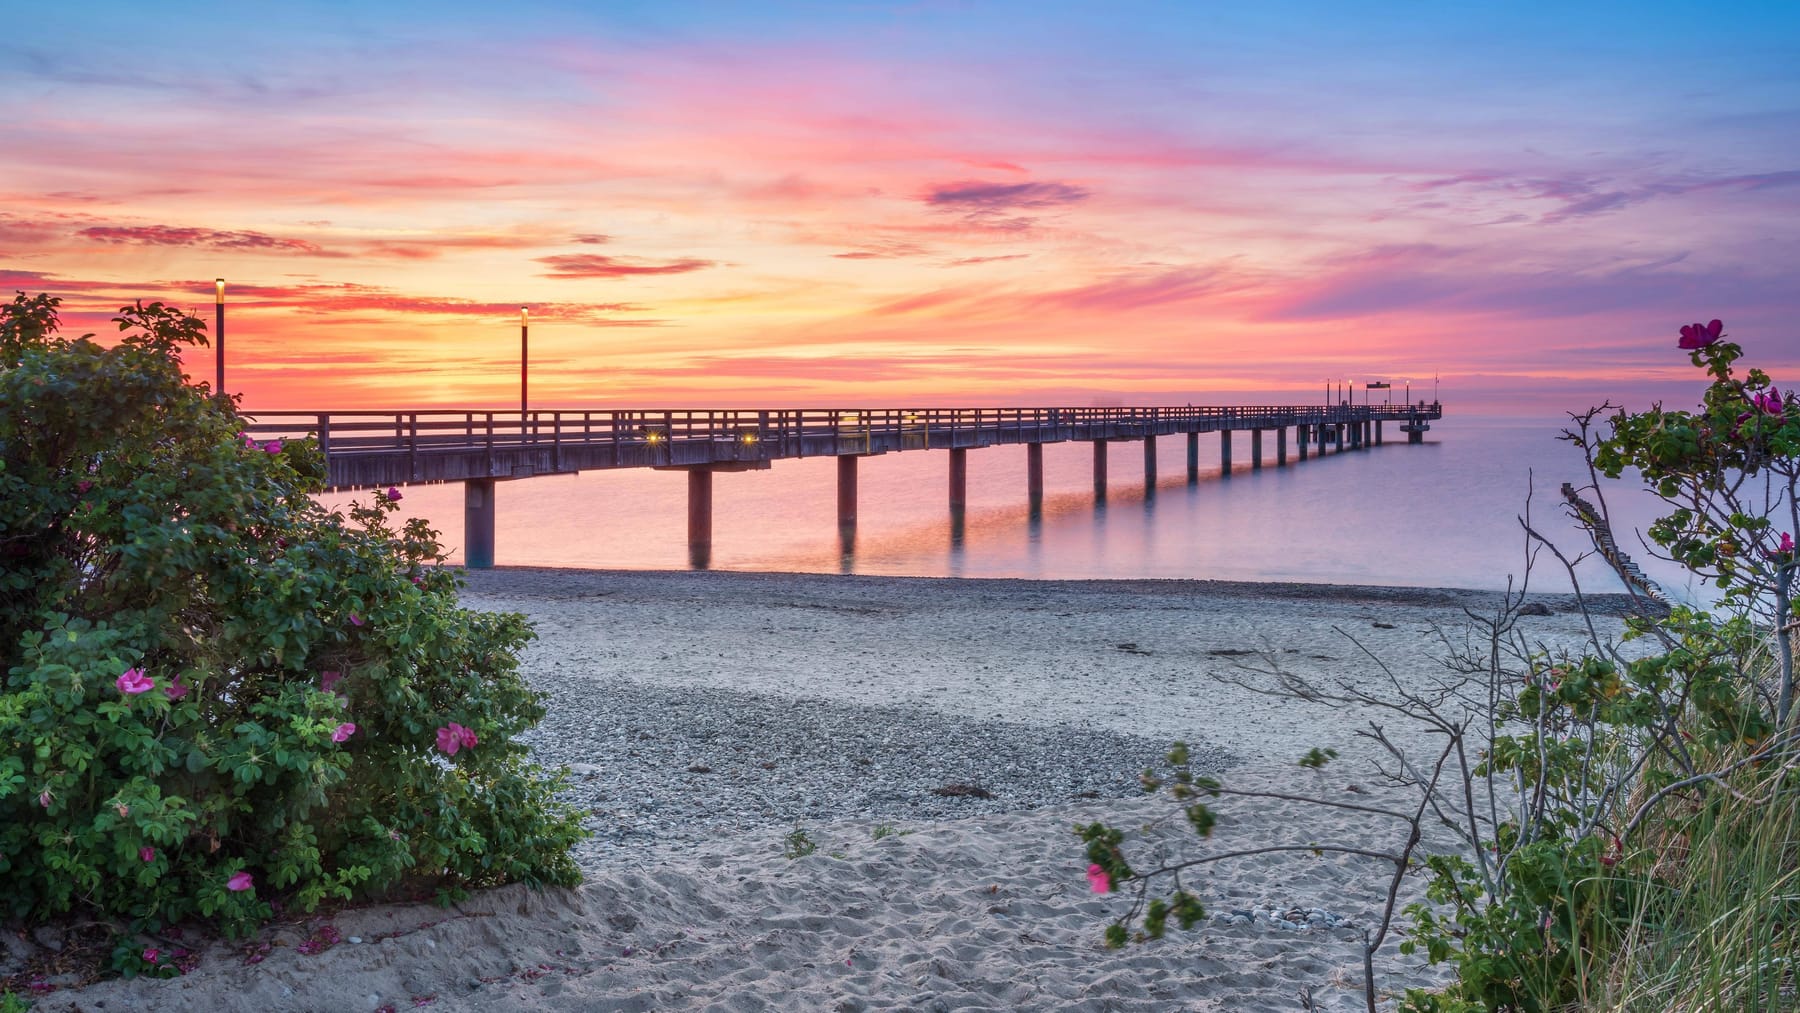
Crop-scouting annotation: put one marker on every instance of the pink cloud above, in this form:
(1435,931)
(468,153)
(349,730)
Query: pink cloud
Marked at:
(882,250)
(974,195)
(971,261)
(216,239)
(593,265)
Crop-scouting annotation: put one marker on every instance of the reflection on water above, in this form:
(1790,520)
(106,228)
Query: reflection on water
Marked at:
(1441,513)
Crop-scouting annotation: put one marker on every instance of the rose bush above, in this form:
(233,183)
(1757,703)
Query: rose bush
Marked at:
(217,695)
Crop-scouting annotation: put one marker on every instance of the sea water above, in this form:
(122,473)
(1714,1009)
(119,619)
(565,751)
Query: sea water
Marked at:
(1443,513)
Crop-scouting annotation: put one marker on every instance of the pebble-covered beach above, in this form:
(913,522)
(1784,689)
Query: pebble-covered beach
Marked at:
(857,793)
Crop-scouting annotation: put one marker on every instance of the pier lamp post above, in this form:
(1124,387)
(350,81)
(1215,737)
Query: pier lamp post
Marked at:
(219,333)
(524,358)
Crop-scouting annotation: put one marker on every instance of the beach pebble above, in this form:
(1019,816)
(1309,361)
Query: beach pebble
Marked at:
(824,761)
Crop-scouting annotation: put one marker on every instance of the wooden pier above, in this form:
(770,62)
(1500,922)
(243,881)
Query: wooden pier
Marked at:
(482,448)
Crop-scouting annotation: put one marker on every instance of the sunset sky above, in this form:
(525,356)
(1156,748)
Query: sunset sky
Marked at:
(863,203)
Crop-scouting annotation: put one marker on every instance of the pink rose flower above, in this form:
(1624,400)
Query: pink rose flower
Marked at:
(393,494)
(151,954)
(45,798)
(249,441)
(239,882)
(343,732)
(356,620)
(453,736)
(147,854)
(133,682)
(329,680)
(1098,880)
(175,690)
(272,447)
(1695,336)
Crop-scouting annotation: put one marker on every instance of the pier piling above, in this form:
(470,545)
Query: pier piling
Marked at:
(846,490)
(478,523)
(700,510)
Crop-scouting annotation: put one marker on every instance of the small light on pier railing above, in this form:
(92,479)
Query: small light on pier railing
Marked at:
(749,438)
(524,315)
(219,291)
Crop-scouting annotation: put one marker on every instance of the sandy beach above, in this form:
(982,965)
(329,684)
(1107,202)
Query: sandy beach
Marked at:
(721,723)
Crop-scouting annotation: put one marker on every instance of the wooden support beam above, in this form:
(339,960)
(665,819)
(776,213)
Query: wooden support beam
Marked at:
(1256,449)
(1193,457)
(1034,475)
(959,480)
(1280,446)
(478,523)
(1224,453)
(700,511)
(1099,471)
(846,490)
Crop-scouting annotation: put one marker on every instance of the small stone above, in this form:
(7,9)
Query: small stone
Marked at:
(353,939)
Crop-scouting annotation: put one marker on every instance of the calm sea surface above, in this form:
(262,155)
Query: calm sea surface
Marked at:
(1443,513)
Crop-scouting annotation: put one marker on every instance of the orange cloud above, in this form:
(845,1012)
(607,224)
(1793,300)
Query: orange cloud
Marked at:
(585,265)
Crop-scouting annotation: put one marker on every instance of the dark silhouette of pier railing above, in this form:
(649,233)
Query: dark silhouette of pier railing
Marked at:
(375,449)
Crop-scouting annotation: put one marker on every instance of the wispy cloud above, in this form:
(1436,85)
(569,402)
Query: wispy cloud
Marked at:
(971,261)
(883,250)
(216,239)
(994,197)
(593,265)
